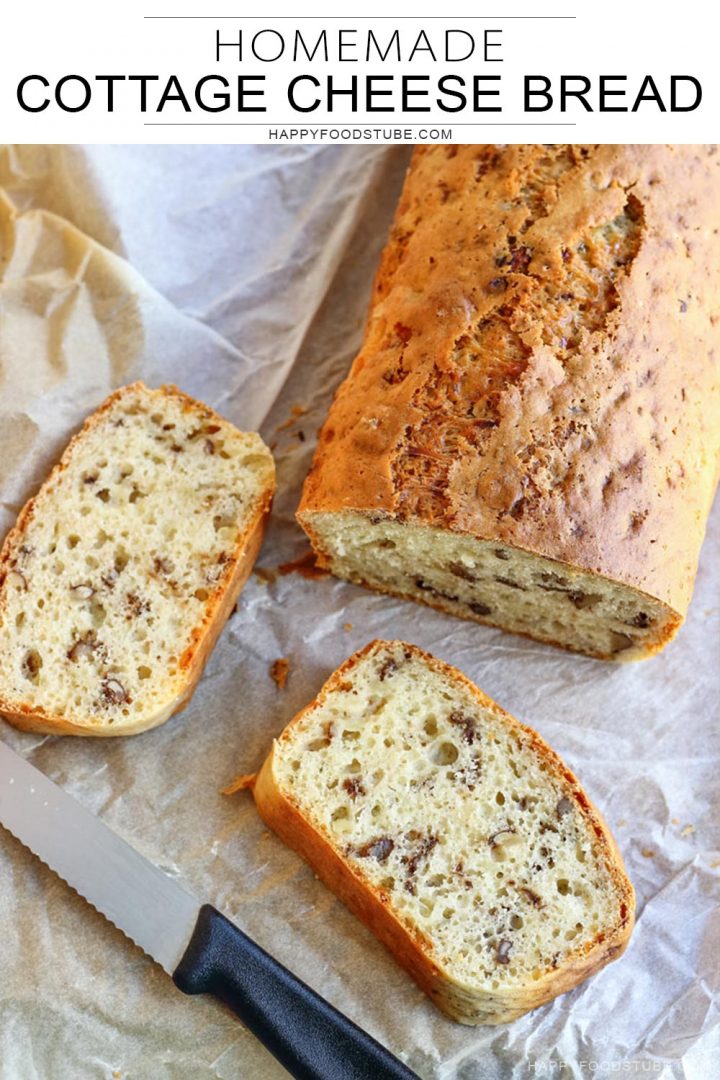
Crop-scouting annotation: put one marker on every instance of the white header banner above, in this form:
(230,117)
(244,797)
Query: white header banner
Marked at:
(168,72)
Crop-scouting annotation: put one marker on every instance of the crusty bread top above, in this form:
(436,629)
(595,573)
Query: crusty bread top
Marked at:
(116,569)
(540,361)
(467,826)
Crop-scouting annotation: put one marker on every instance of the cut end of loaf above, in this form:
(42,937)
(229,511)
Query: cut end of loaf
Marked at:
(493,583)
(425,806)
(117,572)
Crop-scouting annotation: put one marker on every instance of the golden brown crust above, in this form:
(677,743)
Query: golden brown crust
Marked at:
(410,947)
(539,365)
(217,609)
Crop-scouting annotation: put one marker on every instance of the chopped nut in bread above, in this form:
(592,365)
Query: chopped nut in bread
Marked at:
(455,833)
(121,571)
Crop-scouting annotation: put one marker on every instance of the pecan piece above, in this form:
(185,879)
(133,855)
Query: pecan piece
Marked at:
(510,583)
(379,849)
(387,668)
(465,723)
(531,895)
(83,647)
(82,591)
(113,692)
(353,787)
(135,606)
(420,852)
(461,571)
(502,953)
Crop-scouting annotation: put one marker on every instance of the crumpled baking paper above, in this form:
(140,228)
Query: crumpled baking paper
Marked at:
(242,274)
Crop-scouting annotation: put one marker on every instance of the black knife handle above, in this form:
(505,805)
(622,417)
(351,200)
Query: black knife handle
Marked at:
(304,1032)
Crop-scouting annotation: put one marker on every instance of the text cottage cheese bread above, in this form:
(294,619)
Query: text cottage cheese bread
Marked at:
(454,832)
(121,571)
(529,436)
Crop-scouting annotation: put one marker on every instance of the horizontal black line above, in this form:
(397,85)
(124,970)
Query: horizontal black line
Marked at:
(354,123)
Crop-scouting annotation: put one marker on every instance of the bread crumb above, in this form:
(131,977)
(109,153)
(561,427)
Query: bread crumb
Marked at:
(295,413)
(265,575)
(279,671)
(240,783)
(647,853)
(688,830)
(347,626)
(621,822)
(675,821)
(305,565)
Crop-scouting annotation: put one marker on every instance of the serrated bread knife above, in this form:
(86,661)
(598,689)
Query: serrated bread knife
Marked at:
(200,949)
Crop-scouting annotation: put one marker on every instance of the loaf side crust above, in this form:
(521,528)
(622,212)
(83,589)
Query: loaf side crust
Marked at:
(216,612)
(410,946)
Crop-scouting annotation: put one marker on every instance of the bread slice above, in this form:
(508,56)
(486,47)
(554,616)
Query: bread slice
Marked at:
(453,831)
(121,571)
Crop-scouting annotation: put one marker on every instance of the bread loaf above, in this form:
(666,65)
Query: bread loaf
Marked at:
(454,832)
(529,436)
(121,571)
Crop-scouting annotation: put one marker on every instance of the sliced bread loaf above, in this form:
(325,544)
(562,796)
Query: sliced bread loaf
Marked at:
(453,831)
(529,436)
(121,571)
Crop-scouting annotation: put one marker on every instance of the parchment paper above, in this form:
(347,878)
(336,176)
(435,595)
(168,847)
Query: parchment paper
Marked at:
(242,274)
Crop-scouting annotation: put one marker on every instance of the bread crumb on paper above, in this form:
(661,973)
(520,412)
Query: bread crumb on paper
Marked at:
(295,413)
(265,575)
(688,830)
(240,783)
(279,671)
(305,565)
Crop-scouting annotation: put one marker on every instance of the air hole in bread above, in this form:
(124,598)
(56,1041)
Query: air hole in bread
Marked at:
(121,559)
(446,753)
(31,666)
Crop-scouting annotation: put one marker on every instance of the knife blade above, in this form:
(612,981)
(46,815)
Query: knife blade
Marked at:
(197,946)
